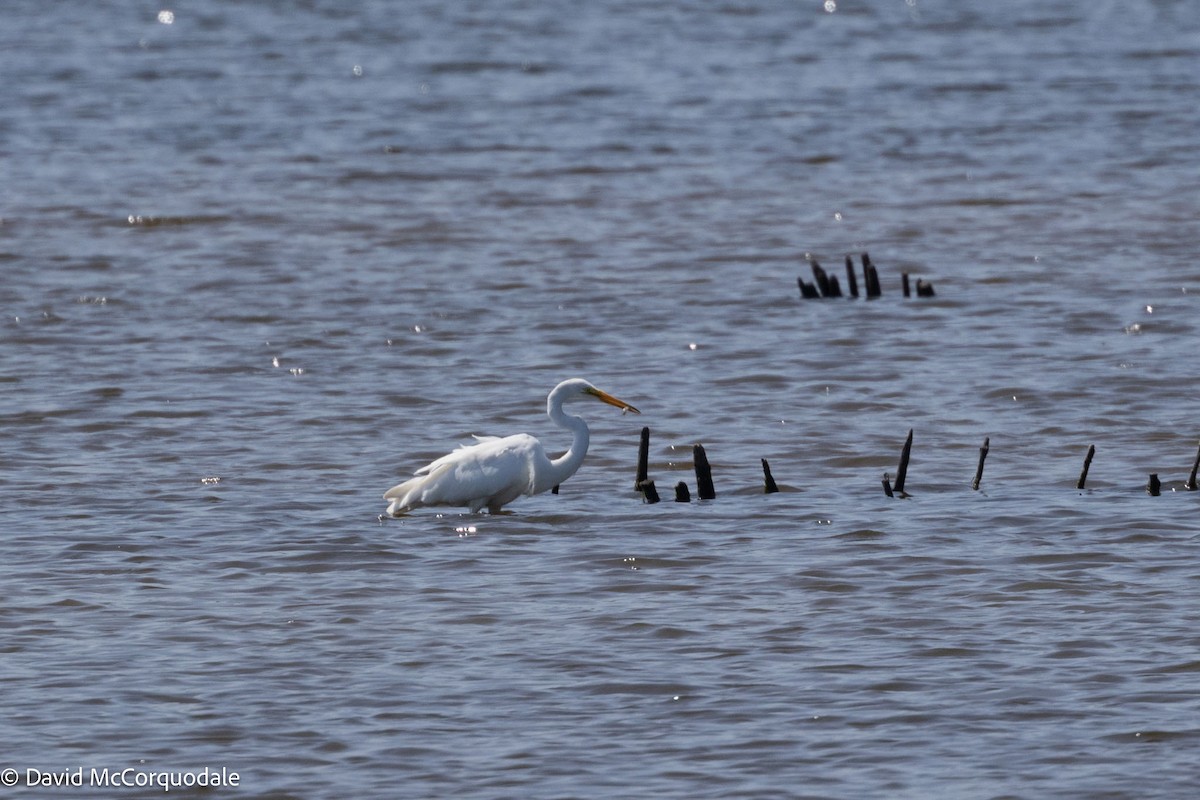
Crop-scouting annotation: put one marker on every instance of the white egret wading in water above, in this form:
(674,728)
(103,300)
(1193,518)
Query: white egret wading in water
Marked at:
(496,471)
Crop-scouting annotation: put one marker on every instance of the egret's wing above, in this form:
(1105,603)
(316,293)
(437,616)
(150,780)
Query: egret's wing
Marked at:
(473,475)
(457,454)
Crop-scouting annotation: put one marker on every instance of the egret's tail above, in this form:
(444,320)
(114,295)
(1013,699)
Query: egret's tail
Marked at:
(404,496)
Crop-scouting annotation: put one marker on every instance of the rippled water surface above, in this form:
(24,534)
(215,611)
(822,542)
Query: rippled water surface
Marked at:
(261,261)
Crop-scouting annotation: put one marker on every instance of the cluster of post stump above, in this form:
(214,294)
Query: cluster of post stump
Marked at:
(704,481)
(826,284)
(706,491)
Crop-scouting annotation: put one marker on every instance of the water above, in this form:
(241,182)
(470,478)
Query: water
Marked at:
(263,260)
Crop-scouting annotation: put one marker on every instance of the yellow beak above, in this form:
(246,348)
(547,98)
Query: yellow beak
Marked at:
(605,397)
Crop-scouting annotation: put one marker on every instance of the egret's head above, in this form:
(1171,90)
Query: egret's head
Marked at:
(578,387)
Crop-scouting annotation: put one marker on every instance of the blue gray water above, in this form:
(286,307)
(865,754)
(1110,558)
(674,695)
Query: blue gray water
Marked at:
(261,261)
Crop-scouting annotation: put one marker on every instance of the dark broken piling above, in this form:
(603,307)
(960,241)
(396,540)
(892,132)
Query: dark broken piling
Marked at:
(924,287)
(704,483)
(1087,464)
(902,471)
(851,281)
(643,460)
(871,277)
(887,485)
(873,289)
(821,279)
(835,288)
(807,290)
(983,451)
(682,495)
(769,486)
(1191,481)
(648,491)
(1154,487)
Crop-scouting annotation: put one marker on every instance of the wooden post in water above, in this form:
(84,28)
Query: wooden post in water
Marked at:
(983,451)
(681,493)
(904,284)
(643,460)
(902,472)
(887,485)
(1191,481)
(807,290)
(649,492)
(835,288)
(871,277)
(704,482)
(851,281)
(821,278)
(769,486)
(1153,488)
(924,288)
(1087,464)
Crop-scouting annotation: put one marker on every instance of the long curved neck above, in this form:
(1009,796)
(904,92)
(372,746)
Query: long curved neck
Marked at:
(569,462)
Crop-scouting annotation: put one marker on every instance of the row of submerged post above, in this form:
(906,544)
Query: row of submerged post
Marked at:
(1153,486)
(826,284)
(705,489)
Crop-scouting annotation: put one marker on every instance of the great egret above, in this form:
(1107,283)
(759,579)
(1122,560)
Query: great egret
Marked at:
(496,471)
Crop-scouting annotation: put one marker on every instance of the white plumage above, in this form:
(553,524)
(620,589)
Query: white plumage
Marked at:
(495,471)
